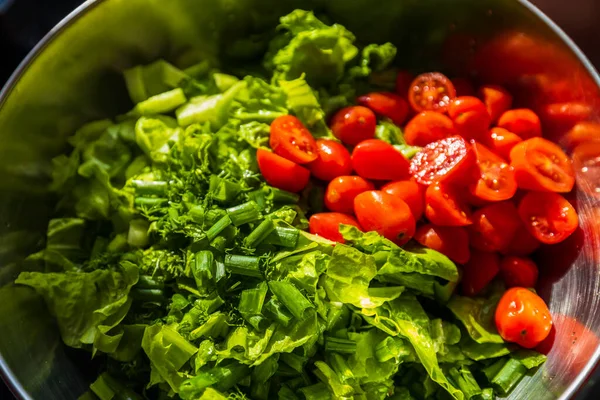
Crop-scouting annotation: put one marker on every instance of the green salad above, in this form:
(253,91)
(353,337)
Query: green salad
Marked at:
(171,260)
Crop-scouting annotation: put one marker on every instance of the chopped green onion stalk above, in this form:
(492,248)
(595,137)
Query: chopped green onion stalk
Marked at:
(344,346)
(243,265)
(291,297)
(244,213)
(218,227)
(259,234)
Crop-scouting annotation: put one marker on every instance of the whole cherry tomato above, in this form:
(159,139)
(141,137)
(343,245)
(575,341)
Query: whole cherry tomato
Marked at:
(560,117)
(342,190)
(403,81)
(497,100)
(522,244)
(522,122)
(501,141)
(522,317)
(327,225)
(541,165)
(333,160)
(385,214)
(409,191)
(481,269)
(494,226)
(379,160)
(386,104)
(427,127)
(463,87)
(452,241)
(470,117)
(282,173)
(354,124)
(586,163)
(581,133)
(291,140)
(431,92)
(448,159)
(444,206)
(518,272)
(495,177)
(548,216)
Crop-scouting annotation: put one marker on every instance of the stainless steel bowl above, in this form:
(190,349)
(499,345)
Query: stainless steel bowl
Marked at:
(73,76)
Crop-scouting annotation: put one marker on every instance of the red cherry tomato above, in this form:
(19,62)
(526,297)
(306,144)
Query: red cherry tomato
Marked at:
(495,177)
(354,124)
(501,141)
(385,214)
(427,127)
(379,160)
(342,190)
(470,117)
(522,122)
(497,100)
(290,139)
(522,243)
(388,105)
(327,225)
(586,163)
(403,81)
(481,269)
(451,241)
(431,92)
(549,217)
(444,206)
(519,272)
(494,226)
(541,165)
(448,159)
(282,173)
(560,117)
(463,87)
(333,160)
(581,133)
(522,317)
(409,191)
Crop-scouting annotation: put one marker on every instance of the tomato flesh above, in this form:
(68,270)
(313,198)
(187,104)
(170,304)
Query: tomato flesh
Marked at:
(522,122)
(494,226)
(495,177)
(522,244)
(431,92)
(481,269)
(379,160)
(342,190)
(354,124)
(282,173)
(451,241)
(519,272)
(409,191)
(497,100)
(427,127)
(549,217)
(445,207)
(448,159)
(470,117)
(333,160)
(327,225)
(386,104)
(291,140)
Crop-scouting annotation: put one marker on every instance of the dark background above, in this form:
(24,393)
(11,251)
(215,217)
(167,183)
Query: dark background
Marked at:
(24,22)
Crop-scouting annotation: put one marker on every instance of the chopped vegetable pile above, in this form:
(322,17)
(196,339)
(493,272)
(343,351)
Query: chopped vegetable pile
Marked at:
(213,242)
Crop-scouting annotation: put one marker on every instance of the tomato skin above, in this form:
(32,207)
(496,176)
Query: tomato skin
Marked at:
(548,216)
(427,127)
(444,206)
(541,165)
(494,226)
(522,317)
(385,214)
(519,272)
(581,133)
(429,166)
(497,100)
(354,124)
(342,190)
(560,117)
(282,173)
(463,87)
(501,141)
(386,104)
(522,122)
(522,244)
(333,160)
(470,117)
(481,269)
(451,241)
(327,225)
(495,177)
(379,160)
(411,192)
(403,81)
(291,140)
(431,91)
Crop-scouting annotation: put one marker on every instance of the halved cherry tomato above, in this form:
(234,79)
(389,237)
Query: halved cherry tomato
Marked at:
(501,141)
(354,124)
(452,241)
(290,139)
(448,159)
(497,100)
(386,104)
(431,92)
(403,81)
(463,87)
(586,163)
(379,160)
(548,216)
(581,133)
(444,206)
(522,317)
(282,173)
(385,214)
(541,165)
(522,122)
(470,117)
(495,177)
(519,272)
(481,269)
(333,160)
(342,190)
(494,226)
(522,243)
(428,127)
(409,191)
(327,225)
